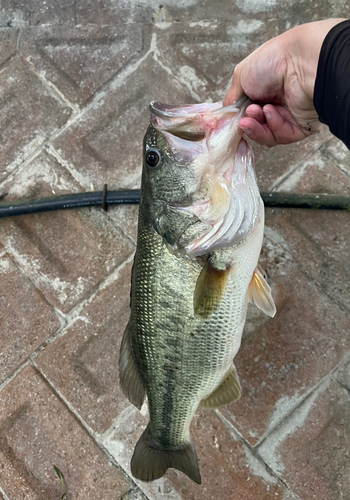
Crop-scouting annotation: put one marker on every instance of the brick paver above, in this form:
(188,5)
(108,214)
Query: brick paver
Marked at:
(80,59)
(38,431)
(91,144)
(29,111)
(75,82)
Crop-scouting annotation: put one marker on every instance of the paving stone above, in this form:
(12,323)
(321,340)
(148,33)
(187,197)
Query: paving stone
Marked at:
(343,376)
(311,449)
(126,216)
(318,243)
(225,464)
(20,13)
(26,318)
(38,431)
(87,374)
(67,253)
(204,54)
(35,12)
(282,358)
(285,14)
(338,152)
(273,164)
(29,114)
(8,44)
(106,145)
(80,59)
(317,174)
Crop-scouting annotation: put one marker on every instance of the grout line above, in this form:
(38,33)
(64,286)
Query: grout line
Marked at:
(182,81)
(89,430)
(9,379)
(314,389)
(82,180)
(113,84)
(286,175)
(18,169)
(66,402)
(68,320)
(266,469)
(334,161)
(252,449)
(4,494)
(54,91)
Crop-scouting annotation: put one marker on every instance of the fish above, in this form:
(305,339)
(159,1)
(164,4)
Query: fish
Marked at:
(200,232)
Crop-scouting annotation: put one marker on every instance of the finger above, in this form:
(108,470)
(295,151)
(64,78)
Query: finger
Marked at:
(260,133)
(255,111)
(282,124)
(235,91)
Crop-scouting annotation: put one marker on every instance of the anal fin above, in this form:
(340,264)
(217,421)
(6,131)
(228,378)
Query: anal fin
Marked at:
(259,293)
(227,392)
(209,290)
(129,377)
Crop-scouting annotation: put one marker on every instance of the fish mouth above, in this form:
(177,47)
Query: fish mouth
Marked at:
(207,137)
(193,122)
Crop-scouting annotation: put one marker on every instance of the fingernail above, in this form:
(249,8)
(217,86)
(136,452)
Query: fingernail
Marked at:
(248,131)
(267,114)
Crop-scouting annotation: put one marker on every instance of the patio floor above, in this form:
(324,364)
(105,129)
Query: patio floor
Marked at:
(76,78)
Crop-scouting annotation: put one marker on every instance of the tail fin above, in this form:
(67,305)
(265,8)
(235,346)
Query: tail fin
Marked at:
(150,462)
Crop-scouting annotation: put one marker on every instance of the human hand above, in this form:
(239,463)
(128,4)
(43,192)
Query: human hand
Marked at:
(281,73)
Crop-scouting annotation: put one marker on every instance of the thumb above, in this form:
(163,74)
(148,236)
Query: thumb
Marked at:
(235,91)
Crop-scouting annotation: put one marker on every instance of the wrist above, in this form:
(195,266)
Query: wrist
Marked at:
(303,46)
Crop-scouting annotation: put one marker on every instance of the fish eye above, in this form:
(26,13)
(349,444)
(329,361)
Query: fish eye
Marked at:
(153,158)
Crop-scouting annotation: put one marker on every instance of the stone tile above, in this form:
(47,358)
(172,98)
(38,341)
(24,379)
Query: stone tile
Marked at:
(317,174)
(272,165)
(67,253)
(281,359)
(30,114)
(126,217)
(34,12)
(286,15)
(318,243)
(26,318)
(311,449)
(338,153)
(226,465)
(19,13)
(343,376)
(37,431)
(106,145)
(87,374)
(8,44)
(203,54)
(80,59)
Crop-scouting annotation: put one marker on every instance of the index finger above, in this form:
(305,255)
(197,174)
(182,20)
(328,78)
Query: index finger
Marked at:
(235,91)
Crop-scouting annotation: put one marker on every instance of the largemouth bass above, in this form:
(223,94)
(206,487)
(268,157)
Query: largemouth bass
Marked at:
(200,232)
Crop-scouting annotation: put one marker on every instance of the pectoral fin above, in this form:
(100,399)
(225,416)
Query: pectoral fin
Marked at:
(209,290)
(259,293)
(130,379)
(228,391)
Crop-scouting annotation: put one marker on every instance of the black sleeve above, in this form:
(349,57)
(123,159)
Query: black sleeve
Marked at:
(332,85)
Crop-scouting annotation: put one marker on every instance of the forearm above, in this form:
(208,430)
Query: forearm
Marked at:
(303,46)
(332,86)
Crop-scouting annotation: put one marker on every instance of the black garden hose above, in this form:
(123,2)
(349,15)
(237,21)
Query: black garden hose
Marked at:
(107,198)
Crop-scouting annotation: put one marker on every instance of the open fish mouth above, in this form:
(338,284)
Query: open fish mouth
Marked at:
(207,138)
